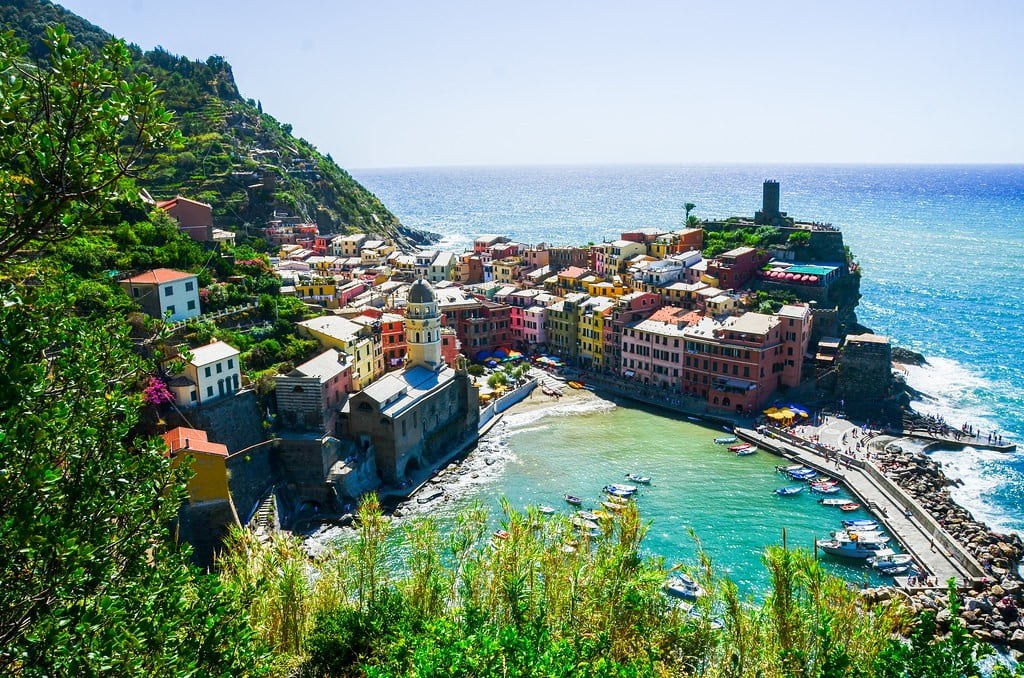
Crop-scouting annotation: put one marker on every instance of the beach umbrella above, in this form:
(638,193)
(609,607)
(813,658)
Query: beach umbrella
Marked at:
(492,363)
(500,354)
(482,356)
(814,278)
(771,410)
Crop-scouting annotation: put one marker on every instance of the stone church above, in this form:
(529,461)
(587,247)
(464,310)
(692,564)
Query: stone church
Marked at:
(416,417)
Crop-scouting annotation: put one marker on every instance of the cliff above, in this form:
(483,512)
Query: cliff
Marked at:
(244,162)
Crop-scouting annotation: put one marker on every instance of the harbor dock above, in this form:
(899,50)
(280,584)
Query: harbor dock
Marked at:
(938,553)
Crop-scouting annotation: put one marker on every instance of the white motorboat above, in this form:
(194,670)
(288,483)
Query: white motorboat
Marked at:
(846,549)
(683,586)
(891,561)
(832,501)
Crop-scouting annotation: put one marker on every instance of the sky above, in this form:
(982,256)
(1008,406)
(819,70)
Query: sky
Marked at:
(389,83)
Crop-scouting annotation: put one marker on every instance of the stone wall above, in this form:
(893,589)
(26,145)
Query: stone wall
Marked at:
(235,421)
(205,526)
(864,381)
(251,474)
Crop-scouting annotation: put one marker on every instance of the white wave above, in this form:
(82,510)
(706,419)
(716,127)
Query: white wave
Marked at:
(974,468)
(572,407)
(956,394)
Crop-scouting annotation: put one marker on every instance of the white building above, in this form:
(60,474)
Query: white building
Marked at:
(164,291)
(211,373)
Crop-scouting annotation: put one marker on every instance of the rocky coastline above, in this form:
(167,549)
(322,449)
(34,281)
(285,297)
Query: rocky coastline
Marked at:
(991,608)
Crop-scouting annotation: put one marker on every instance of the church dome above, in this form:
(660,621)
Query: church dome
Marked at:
(420,292)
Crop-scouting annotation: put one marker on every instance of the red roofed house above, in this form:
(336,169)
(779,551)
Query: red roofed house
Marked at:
(209,481)
(194,218)
(163,291)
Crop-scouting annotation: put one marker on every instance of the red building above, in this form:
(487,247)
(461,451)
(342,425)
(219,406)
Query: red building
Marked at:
(194,218)
(735,268)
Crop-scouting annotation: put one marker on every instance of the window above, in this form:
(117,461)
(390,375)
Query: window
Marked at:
(189,286)
(171,309)
(169,290)
(192,395)
(207,371)
(220,367)
(136,292)
(209,391)
(231,363)
(192,305)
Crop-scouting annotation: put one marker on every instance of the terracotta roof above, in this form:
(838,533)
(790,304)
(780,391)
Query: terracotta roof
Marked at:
(167,204)
(194,440)
(159,276)
(572,272)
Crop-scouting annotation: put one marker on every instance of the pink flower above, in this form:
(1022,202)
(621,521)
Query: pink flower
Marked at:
(156,392)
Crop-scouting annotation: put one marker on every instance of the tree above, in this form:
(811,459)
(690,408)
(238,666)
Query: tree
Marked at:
(71,129)
(689,208)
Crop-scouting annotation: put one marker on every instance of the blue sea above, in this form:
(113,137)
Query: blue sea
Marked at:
(941,248)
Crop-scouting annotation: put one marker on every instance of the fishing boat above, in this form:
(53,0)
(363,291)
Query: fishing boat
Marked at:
(890,561)
(825,489)
(746,452)
(849,507)
(846,549)
(737,448)
(612,506)
(861,524)
(788,491)
(621,501)
(825,482)
(587,527)
(587,515)
(546,510)
(787,469)
(616,492)
(807,474)
(575,501)
(622,487)
(834,501)
(727,440)
(683,586)
(873,537)
(637,478)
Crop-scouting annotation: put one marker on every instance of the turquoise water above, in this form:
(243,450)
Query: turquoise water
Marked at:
(941,247)
(728,501)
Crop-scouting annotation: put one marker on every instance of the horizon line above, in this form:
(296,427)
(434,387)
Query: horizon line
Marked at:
(580,165)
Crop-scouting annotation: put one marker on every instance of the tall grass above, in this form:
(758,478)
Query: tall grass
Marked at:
(545,601)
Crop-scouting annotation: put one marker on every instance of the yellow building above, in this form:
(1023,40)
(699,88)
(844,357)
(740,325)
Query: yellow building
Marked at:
(507,270)
(209,481)
(592,316)
(612,290)
(360,342)
(320,290)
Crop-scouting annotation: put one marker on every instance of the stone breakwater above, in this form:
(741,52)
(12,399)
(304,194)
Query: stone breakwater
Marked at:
(991,608)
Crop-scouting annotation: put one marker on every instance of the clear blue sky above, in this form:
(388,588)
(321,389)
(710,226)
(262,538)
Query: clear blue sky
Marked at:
(384,83)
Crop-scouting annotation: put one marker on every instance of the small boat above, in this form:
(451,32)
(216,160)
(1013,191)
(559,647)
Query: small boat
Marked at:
(587,515)
(861,524)
(575,501)
(612,506)
(891,561)
(637,478)
(849,507)
(727,440)
(587,527)
(847,549)
(873,537)
(746,452)
(621,501)
(546,510)
(623,488)
(501,534)
(616,492)
(809,474)
(787,469)
(683,586)
(833,501)
(601,514)
(788,491)
(576,384)
(737,448)
(825,482)
(825,489)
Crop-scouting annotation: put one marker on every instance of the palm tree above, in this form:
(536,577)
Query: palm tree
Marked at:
(689,208)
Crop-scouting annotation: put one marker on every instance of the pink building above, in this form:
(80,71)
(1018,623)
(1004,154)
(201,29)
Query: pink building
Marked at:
(735,365)
(194,218)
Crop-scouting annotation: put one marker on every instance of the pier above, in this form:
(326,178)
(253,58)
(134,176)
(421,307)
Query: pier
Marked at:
(938,553)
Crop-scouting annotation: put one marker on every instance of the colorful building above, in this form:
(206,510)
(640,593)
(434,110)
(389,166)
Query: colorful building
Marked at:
(310,396)
(209,481)
(164,292)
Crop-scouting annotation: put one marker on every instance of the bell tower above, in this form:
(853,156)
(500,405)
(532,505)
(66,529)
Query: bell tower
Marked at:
(422,327)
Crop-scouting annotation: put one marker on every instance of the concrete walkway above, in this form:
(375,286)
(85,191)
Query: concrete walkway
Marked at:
(909,532)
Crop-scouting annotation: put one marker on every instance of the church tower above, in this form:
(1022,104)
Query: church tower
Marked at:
(422,327)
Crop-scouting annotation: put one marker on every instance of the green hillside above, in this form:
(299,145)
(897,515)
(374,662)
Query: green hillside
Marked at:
(242,161)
